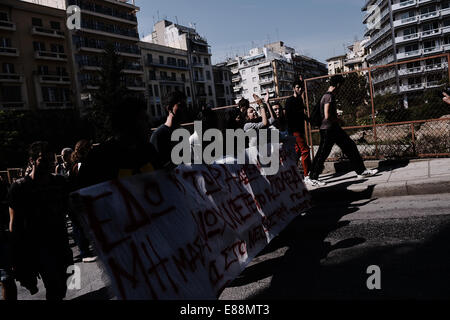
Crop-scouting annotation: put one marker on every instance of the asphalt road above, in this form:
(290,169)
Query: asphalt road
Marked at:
(325,254)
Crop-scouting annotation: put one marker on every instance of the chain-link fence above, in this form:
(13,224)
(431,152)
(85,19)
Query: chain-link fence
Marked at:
(391,111)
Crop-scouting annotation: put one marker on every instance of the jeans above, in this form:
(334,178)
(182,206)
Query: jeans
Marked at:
(328,138)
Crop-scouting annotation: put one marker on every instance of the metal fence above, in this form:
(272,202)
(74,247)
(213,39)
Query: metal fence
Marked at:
(409,122)
(391,111)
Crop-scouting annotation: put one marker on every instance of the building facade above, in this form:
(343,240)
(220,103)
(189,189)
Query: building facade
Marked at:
(166,69)
(35,58)
(264,69)
(401,30)
(222,81)
(167,33)
(308,67)
(336,64)
(356,56)
(103,22)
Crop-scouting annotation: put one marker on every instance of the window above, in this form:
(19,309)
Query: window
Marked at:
(3,16)
(210,91)
(183,77)
(174,76)
(208,75)
(156,91)
(188,91)
(161,60)
(163,75)
(36,22)
(182,63)
(43,70)
(61,71)
(152,75)
(55,25)
(39,46)
(8,68)
(150,91)
(149,58)
(225,76)
(206,61)
(227,90)
(5,42)
(152,108)
(171,61)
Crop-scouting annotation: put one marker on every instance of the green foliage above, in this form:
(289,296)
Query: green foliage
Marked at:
(111,94)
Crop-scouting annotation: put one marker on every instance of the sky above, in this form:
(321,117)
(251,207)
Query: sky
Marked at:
(317,28)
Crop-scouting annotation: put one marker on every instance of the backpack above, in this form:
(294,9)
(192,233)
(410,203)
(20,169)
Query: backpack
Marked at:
(316,116)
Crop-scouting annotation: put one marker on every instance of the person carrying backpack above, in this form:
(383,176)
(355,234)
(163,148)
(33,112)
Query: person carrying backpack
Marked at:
(295,115)
(331,133)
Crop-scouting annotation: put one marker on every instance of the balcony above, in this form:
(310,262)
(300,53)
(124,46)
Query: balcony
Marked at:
(11,78)
(133,69)
(403,5)
(9,52)
(378,36)
(409,54)
(54,79)
(430,33)
(130,35)
(384,77)
(409,37)
(7,25)
(236,79)
(39,31)
(169,66)
(429,15)
(125,3)
(48,55)
(265,70)
(435,67)
(434,84)
(410,71)
(56,104)
(380,49)
(265,81)
(197,64)
(432,50)
(406,21)
(199,79)
(11,104)
(107,12)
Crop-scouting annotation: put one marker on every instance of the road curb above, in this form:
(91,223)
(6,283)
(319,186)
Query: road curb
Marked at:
(384,190)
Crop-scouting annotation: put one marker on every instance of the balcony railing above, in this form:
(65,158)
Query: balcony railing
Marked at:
(265,81)
(11,77)
(170,66)
(7,25)
(48,55)
(403,5)
(409,54)
(104,10)
(11,104)
(47,32)
(54,78)
(8,51)
(56,104)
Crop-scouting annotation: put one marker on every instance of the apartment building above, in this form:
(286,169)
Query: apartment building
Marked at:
(336,64)
(222,81)
(102,22)
(166,69)
(167,33)
(263,69)
(401,30)
(36,64)
(356,56)
(308,67)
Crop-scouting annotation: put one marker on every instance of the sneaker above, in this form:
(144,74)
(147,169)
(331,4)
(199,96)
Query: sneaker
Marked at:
(367,173)
(314,183)
(89,259)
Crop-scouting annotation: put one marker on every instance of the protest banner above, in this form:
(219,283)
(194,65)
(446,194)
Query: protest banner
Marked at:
(188,233)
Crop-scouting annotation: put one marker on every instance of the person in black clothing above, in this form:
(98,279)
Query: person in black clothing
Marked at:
(7,283)
(331,133)
(295,115)
(161,138)
(127,153)
(38,205)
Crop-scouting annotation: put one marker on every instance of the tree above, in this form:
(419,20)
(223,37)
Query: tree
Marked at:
(110,95)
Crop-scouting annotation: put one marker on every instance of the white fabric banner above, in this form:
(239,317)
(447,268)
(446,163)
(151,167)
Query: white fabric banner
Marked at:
(187,234)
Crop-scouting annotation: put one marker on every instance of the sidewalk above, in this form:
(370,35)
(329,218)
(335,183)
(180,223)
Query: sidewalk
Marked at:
(395,178)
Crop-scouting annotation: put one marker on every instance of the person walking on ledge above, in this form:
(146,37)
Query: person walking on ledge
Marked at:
(331,133)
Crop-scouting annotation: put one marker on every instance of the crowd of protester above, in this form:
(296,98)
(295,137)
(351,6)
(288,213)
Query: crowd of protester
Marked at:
(34,210)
